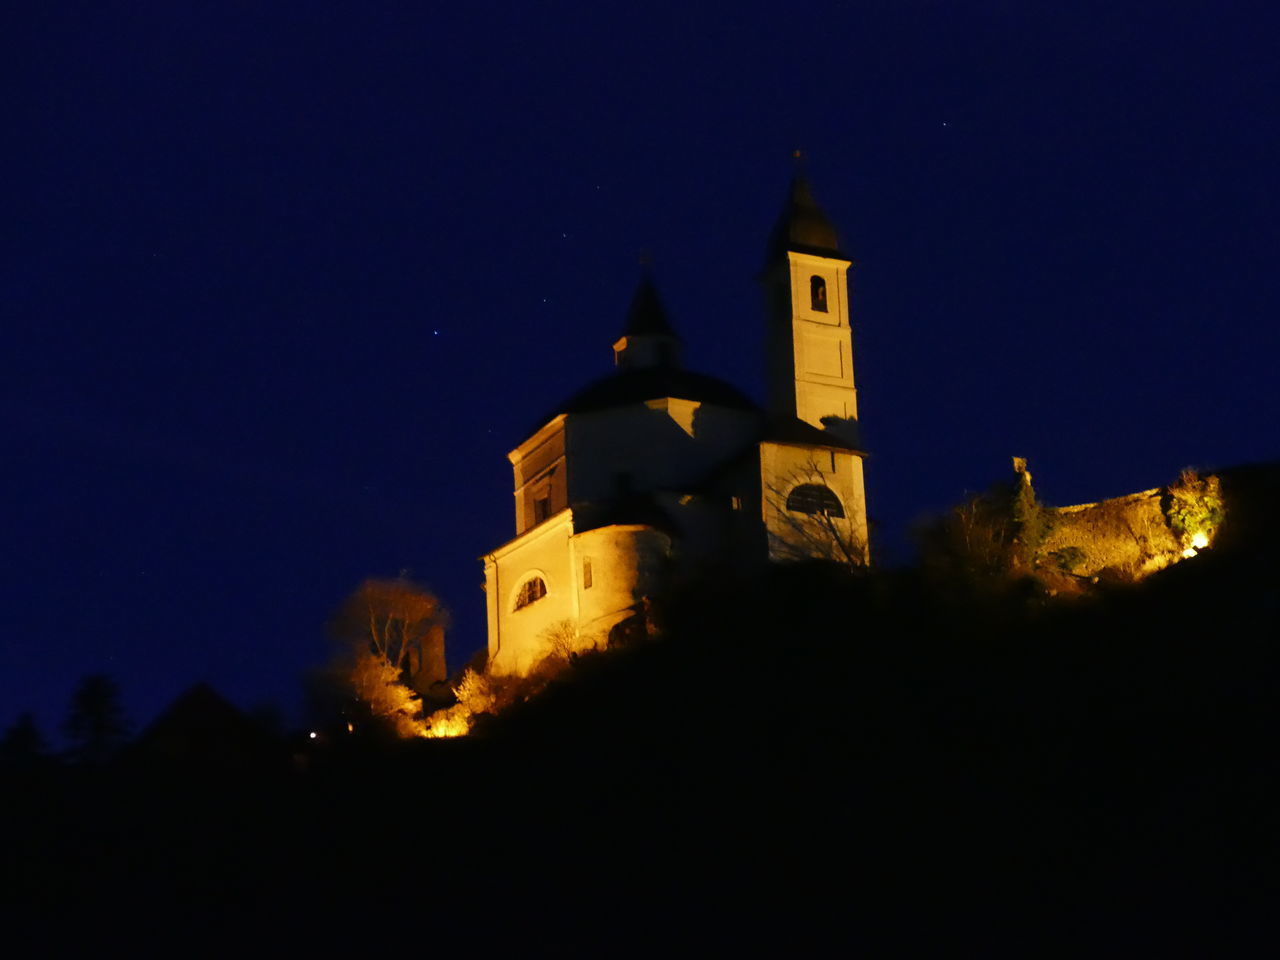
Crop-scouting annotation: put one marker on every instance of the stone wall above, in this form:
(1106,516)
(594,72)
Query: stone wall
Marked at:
(1128,536)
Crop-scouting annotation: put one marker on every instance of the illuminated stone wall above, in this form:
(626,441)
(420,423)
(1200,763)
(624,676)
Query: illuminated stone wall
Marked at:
(1127,535)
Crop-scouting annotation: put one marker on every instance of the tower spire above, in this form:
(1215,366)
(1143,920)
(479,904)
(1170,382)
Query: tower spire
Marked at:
(648,339)
(810,351)
(802,225)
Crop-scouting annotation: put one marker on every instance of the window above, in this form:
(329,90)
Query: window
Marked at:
(535,588)
(586,574)
(541,507)
(818,294)
(814,498)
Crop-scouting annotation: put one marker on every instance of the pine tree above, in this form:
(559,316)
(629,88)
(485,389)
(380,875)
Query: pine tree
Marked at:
(23,745)
(95,723)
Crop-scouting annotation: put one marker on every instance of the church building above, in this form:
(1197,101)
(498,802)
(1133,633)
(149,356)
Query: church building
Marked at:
(655,472)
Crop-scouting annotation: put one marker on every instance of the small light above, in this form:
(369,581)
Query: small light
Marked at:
(313,734)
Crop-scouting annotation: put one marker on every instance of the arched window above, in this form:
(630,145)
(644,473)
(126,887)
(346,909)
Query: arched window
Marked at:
(814,498)
(818,294)
(535,588)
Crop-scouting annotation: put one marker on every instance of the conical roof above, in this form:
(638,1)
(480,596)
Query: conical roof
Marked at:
(647,316)
(803,226)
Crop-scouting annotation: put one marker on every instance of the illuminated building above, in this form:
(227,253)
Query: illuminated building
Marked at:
(655,472)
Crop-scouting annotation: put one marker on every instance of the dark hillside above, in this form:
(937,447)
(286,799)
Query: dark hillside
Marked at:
(1252,526)
(804,760)
(1111,757)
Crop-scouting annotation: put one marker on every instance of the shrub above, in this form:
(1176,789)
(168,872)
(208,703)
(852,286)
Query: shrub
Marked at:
(1195,506)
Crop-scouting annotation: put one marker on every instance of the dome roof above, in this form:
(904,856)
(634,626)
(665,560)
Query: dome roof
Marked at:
(627,387)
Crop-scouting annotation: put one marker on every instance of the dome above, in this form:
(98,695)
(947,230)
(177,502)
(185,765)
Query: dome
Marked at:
(627,387)
(637,386)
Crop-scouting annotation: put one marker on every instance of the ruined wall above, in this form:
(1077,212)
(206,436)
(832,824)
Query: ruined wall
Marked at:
(1128,535)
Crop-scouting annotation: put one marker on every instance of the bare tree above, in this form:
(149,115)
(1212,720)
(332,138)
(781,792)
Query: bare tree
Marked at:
(391,649)
(974,541)
(399,622)
(564,641)
(993,539)
(818,528)
(376,685)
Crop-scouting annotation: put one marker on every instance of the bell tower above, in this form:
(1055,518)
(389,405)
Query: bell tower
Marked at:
(809,341)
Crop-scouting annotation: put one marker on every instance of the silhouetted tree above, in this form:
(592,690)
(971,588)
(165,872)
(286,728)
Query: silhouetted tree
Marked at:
(95,723)
(990,540)
(23,745)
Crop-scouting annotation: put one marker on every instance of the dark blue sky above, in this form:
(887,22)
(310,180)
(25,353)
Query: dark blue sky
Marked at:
(283,283)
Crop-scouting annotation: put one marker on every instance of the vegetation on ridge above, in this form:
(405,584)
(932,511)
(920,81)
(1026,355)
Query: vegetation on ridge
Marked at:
(936,746)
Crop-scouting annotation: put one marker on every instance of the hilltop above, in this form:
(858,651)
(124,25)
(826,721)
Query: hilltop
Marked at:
(804,754)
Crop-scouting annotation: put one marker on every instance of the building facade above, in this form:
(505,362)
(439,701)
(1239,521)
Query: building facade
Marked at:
(657,472)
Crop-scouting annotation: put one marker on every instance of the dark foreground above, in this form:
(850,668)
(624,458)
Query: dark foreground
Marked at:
(805,762)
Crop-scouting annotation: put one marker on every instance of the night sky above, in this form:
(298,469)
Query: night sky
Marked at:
(284,283)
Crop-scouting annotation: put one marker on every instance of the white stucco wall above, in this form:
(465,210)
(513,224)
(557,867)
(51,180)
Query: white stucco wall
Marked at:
(543,551)
(783,467)
(627,562)
(666,444)
(540,471)
(810,352)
